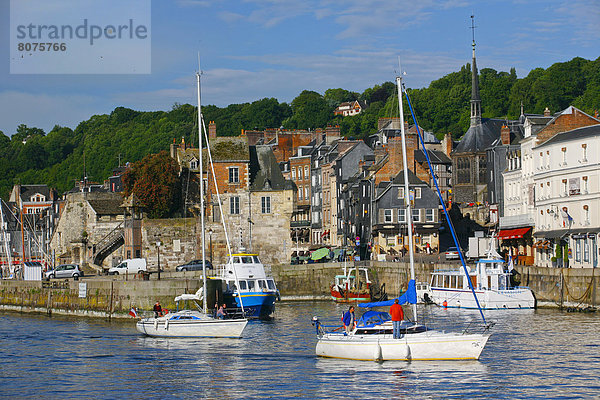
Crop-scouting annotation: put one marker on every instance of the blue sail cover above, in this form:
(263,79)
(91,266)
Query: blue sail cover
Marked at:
(410,296)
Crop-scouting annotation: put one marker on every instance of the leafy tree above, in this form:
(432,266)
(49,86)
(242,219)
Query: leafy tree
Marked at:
(310,111)
(334,97)
(154,180)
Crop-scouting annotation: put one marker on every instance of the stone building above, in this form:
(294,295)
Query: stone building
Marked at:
(86,219)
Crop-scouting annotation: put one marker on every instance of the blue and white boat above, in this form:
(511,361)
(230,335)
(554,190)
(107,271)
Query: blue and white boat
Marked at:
(256,289)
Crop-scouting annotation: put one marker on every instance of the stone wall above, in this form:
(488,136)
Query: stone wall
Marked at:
(178,242)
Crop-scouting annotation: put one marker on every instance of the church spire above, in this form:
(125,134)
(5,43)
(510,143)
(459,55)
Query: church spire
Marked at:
(475,99)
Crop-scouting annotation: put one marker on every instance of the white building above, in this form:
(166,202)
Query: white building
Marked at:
(567,197)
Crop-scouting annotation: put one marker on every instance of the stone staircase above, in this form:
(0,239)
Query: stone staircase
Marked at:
(108,244)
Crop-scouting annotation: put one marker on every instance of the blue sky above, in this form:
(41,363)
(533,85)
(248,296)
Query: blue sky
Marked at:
(251,49)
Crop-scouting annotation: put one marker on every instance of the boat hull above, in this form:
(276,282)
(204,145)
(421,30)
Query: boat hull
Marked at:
(208,327)
(517,298)
(256,304)
(349,297)
(430,345)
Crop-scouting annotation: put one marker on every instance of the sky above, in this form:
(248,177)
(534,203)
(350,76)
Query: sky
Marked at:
(252,49)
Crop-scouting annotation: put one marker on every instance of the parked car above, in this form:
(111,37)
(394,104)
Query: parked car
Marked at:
(65,271)
(452,253)
(194,265)
(129,266)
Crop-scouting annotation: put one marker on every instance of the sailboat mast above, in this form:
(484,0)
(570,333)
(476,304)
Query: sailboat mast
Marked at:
(411,246)
(200,166)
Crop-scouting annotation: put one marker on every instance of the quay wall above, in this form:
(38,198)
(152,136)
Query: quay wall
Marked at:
(105,297)
(551,286)
(112,297)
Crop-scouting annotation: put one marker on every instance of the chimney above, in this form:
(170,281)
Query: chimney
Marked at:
(447,144)
(505,134)
(212,130)
(332,133)
(173,149)
(546,112)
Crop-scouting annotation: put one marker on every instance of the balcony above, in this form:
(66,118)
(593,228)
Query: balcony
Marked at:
(515,221)
(299,224)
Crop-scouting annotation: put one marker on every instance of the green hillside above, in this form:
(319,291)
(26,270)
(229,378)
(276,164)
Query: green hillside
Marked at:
(63,156)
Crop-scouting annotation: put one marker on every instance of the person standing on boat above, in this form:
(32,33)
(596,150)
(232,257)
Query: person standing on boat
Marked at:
(349,320)
(157,310)
(397,316)
(221,313)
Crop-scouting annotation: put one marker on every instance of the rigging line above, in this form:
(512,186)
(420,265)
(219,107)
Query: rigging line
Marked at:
(426,152)
(30,231)
(212,166)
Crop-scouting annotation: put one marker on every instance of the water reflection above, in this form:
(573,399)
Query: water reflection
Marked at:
(531,354)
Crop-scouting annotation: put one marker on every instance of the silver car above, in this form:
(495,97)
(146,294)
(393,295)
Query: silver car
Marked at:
(65,271)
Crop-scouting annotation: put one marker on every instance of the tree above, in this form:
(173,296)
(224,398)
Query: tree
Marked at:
(310,111)
(155,182)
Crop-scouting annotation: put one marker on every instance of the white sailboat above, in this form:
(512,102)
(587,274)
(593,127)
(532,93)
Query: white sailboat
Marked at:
(196,323)
(372,339)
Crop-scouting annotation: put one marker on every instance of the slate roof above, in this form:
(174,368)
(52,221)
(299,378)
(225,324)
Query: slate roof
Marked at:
(412,179)
(579,133)
(436,157)
(26,191)
(107,207)
(265,173)
(480,137)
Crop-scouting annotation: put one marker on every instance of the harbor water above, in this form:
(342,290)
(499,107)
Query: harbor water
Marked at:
(531,354)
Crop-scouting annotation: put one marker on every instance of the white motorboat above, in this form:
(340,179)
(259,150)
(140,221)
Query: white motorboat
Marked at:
(197,323)
(491,279)
(191,323)
(372,338)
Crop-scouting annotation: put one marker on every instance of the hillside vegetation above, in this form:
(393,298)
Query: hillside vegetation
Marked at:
(63,156)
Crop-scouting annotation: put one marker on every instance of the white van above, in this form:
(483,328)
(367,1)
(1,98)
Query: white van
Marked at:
(131,266)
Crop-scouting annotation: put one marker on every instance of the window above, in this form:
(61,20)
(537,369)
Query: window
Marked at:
(306,192)
(564,155)
(234,205)
(584,184)
(463,170)
(401,193)
(387,216)
(294,173)
(578,250)
(416,215)
(300,193)
(430,215)
(586,250)
(266,204)
(234,175)
(586,214)
(482,169)
(306,172)
(584,152)
(417,193)
(402,215)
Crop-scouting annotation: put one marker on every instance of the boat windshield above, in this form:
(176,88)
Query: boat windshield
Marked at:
(271,284)
(247,259)
(243,285)
(250,285)
(256,260)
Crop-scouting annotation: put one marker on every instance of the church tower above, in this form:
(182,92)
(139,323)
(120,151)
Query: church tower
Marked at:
(475,99)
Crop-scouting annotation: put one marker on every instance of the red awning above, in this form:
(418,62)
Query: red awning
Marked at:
(513,233)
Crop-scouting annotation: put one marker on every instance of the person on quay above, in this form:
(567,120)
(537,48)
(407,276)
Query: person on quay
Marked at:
(157,310)
(349,320)
(397,316)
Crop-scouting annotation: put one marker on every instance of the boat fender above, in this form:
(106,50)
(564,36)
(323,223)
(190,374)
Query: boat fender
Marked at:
(377,357)
(166,324)
(155,324)
(445,304)
(407,354)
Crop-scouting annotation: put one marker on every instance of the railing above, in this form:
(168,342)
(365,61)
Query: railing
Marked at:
(108,243)
(516,221)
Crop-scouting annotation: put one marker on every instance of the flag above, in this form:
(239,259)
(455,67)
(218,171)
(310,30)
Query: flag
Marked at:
(133,312)
(567,219)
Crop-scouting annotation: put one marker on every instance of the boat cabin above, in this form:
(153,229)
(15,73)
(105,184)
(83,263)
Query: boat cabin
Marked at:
(250,273)
(489,274)
(349,281)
